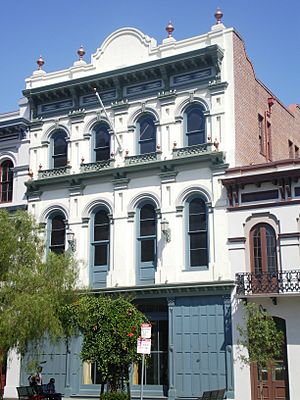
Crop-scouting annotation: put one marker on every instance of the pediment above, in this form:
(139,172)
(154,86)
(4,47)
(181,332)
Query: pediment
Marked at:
(124,47)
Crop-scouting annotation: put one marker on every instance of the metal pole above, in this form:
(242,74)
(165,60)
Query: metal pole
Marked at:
(142,383)
(107,116)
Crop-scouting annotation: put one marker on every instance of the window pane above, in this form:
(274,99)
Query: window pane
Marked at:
(195,119)
(101,137)
(197,206)
(147,147)
(60,161)
(101,217)
(197,222)
(100,255)
(101,232)
(147,212)
(101,143)
(196,138)
(102,154)
(6,181)
(148,228)
(198,257)
(57,240)
(60,149)
(60,144)
(147,250)
(198,241)
(147,128)
(271,249)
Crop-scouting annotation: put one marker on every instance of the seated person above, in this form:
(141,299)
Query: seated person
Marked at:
(50,391)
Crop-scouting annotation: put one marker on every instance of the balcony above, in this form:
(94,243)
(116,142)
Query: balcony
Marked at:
(192,150)
(49,173)
(268,283)
(143,158)
(97,166)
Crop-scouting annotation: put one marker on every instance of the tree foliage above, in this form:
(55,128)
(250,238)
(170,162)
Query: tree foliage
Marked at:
(33,288)
(260,336)
(110,328)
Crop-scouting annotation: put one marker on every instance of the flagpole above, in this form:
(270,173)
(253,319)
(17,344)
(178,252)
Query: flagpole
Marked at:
(108,118)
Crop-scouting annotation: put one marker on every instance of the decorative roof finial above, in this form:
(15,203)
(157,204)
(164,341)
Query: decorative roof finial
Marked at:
(40,62)
(218,15)
(81,52)
(170,29)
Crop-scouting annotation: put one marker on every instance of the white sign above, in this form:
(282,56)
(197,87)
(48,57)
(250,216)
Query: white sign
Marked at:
(143,346)
(146,331)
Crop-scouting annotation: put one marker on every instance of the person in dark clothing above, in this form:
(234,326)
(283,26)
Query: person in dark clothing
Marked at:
(51,392)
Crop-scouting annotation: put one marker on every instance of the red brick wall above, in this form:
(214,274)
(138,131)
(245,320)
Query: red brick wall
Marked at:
(251,99)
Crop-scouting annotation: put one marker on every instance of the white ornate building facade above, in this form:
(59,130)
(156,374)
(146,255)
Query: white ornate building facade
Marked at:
(136,192)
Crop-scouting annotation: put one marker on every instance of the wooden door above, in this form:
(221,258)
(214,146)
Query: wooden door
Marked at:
(275,378)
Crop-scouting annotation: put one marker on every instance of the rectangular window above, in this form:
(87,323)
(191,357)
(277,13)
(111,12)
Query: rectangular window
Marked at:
(259,196)
(291,149)
(261,136)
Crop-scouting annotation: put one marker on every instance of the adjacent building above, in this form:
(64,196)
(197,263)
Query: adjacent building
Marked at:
(149,192)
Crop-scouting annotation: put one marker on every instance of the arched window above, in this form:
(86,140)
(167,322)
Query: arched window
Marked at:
(6,181)
(100,237)
(59,149)
(57,228)
(263,247)
(146,134)
(147,233)
(101,139)
(197,232)
(195,125)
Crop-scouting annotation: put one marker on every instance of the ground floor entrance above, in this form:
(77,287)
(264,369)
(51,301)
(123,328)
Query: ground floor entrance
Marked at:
(190,353)
(274,379)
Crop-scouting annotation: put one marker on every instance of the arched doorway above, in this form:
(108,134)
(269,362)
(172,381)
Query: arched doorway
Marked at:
(275,378)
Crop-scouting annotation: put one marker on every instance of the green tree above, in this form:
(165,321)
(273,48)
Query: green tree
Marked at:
(110,328)
(33,288)
(262,339)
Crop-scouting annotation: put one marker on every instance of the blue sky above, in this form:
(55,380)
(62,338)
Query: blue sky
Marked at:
(57,28)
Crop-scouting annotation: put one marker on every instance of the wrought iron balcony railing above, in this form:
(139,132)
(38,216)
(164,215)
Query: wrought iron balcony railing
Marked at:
(249,283)
(50,173)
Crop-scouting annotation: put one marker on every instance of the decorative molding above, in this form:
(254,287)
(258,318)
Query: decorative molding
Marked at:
(97,166)
(120,183)
(168,176)
(36,124)
(85,222)
(77,116)
(76,188)
(236,239)
(144,87)
(192,150)
(167,97)
(195,76)
(130,216)
(120,106)
(143,158)
(52,173)
(289,235)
